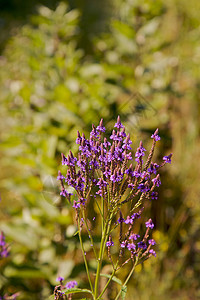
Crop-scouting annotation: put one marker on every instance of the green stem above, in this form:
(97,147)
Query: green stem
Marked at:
(128,277)
(83,251)
(111,277)
(105,234)
(89,234)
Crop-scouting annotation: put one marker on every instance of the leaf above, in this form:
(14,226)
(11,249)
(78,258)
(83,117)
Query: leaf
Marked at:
(115,279)
(77,290)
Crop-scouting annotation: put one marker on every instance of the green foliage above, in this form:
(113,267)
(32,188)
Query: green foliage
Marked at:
(146,68)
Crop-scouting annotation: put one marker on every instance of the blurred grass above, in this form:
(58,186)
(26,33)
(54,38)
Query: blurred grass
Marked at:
(145,68)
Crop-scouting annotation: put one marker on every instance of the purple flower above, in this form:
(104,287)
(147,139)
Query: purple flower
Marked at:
(60,176)
(153,168)
(135,216)
(60,279)
(136,174)
(143,188)
(109,243)
(149,224)
(140,152)
(151,242)
(156,181)
(167,159)
(76,204)
(107,172)
(2,239)
(71,284)
(129,220)
(152,252)
(113,135)
(155,136)
(120,220)
(154,195)
(79,139)
(127,142)
(116,176)
(134,236)
(123,244)
(119,124)
(65,193)
(142,245)
(101,127)
(106,143)
(131,246)
(129,171)
(122,133)
(3,246)
(64,159)
(94,133)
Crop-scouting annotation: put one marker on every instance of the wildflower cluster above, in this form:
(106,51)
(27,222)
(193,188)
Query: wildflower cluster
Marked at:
(104,172)
(59,289)
(4,252)
(3,246)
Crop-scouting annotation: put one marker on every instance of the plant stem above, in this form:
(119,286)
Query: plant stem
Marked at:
(107,283)
(89,234)
(83,251)
(128,277)
(105,234)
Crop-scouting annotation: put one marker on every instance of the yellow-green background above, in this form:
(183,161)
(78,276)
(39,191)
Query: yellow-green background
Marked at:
(65,66)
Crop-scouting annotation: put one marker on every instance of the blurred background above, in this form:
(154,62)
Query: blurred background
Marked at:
(64,66)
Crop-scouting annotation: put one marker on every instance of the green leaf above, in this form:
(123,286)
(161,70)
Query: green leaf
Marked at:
(115,279)
(77,290)
(73,291)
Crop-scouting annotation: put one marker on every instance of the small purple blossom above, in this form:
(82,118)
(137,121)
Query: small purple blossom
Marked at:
(94,133)
(127,142)
(76,204)
(113,135)
(65,193)
(120,220)
(101,127)
(153,168)
(123,244)
(142,245)
(134,236)
(119,124)
(152,242)
(128,220)
(60,176)
(154,196)
(71,284)
(143,188)
(167,159)
(109,243)
(106,143)
(140,152)
(152,252)
(131,246)
(156,181)
(3,246)
(155,136)
(60,279)
(149,224)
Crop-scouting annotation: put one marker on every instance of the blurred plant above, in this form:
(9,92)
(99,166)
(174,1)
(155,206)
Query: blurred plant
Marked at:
(101,174)
(145,68)
(50,92)
(4,252)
